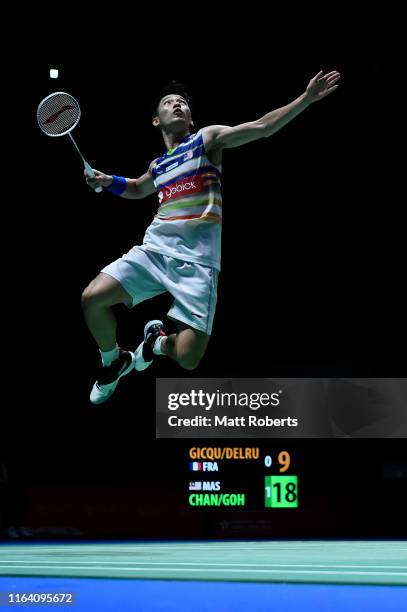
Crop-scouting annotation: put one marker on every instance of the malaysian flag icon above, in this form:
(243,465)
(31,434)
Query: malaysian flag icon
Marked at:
(195,486)
(195,466)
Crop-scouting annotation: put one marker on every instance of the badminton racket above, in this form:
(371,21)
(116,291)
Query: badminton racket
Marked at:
(57,115)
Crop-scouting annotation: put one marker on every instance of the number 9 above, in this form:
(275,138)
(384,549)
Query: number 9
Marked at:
(284,460)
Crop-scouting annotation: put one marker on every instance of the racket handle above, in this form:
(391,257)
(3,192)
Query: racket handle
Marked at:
(91,174)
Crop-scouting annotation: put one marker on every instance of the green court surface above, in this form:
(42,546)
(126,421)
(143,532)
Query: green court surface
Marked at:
(337,562)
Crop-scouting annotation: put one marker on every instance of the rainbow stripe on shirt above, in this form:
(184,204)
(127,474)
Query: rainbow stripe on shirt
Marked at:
(188,221)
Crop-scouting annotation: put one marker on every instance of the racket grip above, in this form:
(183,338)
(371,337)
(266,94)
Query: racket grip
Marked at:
(91,174)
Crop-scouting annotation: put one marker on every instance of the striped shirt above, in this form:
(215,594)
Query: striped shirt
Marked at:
(187,225)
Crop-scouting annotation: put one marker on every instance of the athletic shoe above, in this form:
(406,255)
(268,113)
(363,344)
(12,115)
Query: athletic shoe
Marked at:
(109,376)
(144,352)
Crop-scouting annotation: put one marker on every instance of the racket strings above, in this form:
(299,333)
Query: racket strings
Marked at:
(58,114)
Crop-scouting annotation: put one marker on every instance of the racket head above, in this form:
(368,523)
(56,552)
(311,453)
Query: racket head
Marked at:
(58,114)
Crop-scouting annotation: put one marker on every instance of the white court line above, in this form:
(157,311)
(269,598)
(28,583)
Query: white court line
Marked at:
(271,546)
(179,569)
(192,563)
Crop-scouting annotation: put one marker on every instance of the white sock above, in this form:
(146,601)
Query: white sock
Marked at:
(109,356)
(157,346)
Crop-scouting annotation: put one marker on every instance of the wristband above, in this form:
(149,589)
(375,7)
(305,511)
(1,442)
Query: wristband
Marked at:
(118,186)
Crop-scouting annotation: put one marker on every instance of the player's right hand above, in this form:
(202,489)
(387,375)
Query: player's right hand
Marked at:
(100,179)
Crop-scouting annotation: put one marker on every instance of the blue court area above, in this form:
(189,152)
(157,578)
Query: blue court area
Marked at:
(212,576)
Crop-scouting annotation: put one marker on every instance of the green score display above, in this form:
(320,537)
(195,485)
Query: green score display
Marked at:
(280,491)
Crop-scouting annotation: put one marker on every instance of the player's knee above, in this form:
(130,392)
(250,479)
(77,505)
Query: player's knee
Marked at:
(91,299)
(190,362)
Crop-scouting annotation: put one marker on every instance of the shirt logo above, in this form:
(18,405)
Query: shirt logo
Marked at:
(190,185)
(179,189)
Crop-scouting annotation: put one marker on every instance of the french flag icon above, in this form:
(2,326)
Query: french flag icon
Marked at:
(195,466)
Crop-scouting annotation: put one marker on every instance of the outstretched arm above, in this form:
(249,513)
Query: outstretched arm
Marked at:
(136,189)
(225,137)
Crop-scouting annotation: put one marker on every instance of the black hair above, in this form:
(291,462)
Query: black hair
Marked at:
(175,88)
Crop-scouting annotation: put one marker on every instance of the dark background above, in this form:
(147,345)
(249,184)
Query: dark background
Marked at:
(311,281)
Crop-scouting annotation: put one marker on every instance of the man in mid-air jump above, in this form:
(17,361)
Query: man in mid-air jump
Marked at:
(180,253)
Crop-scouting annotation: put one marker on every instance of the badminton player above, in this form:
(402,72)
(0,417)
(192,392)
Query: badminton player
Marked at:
(181,249)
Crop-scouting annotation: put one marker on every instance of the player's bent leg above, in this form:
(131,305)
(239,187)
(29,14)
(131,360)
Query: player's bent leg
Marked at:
(186,347)
(97,301)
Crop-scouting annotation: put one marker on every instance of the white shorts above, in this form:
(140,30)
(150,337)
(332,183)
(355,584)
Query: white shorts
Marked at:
(145,274)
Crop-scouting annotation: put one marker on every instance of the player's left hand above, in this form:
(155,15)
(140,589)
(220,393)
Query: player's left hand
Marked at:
(322,85)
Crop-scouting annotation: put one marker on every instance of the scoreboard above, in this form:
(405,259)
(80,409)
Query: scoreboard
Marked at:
(246,477)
